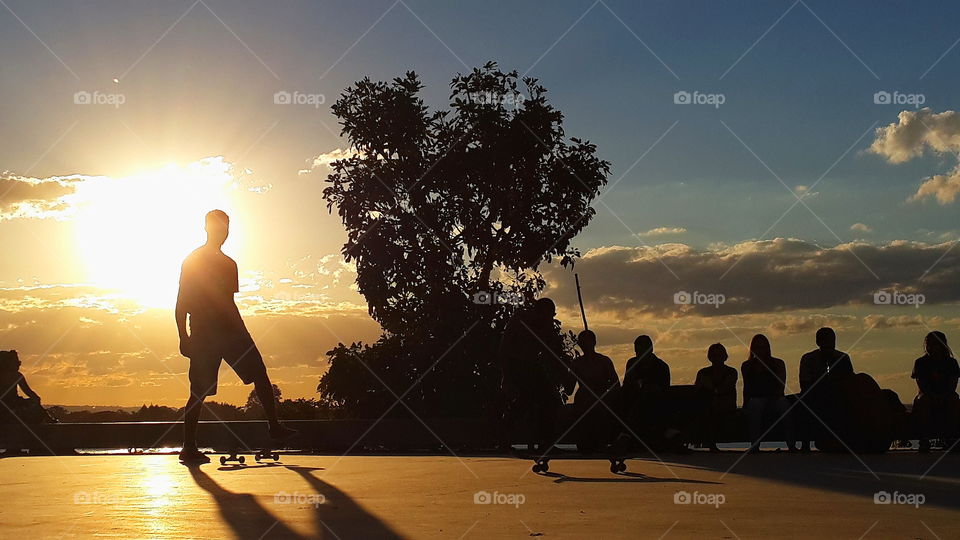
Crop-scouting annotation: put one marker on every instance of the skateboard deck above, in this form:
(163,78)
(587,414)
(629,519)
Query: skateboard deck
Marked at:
(541,463)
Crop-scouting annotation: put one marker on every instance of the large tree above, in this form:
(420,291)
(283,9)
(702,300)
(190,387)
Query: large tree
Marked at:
(440,206)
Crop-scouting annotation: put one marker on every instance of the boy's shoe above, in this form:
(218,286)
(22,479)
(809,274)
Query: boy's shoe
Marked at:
(193,456)
(280,432)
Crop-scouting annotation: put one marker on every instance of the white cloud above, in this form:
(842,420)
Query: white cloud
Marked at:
(915,132)
(861,228)
(663,231)
(326,160)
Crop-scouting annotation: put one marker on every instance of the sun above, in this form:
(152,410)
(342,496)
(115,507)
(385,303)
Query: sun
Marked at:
(134,232)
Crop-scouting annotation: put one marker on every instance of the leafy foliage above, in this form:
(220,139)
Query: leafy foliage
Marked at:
(439,206)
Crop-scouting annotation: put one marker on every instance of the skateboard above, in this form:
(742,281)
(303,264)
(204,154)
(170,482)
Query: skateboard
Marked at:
(541,463)
(258,456)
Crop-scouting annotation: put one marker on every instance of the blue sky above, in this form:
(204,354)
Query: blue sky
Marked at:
(797,78)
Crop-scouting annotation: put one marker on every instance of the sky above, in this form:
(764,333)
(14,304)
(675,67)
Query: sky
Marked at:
(776,167)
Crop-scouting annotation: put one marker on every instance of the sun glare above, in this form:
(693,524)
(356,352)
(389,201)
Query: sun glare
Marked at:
(135,231)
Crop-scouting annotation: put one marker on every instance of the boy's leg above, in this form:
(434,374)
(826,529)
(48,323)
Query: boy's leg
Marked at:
(268,400)
(191,416)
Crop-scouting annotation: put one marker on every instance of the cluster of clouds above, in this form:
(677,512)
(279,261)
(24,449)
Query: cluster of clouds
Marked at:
(911,136)
(25,197)
(757,276)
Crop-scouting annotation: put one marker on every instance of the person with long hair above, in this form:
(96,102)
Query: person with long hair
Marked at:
(764,382)
(936,408)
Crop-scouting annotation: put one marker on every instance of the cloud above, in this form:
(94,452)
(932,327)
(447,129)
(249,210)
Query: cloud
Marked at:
(324,161)
(943,187)
(663,231)
(39,198)
(861,228)
(756,276)
(915,132)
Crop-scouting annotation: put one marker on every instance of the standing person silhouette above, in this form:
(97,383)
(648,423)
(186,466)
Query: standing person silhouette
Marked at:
(208,281)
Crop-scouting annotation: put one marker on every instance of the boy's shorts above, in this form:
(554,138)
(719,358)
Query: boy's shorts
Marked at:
(238,350)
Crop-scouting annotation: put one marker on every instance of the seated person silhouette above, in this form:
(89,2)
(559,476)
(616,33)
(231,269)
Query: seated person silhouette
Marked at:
(596,379)
(536,371)
(764,381)
(28,409)
(208,281)
(652,411)
(822,372)
(936,409)
(719,382)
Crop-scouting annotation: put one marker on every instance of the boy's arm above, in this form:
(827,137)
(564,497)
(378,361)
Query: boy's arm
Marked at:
(180,314)
(26,388)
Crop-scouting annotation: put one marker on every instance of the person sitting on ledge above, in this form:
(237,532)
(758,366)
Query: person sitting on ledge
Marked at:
(764,381)
(719,381)
(937,406)
(28,410)
(822,372)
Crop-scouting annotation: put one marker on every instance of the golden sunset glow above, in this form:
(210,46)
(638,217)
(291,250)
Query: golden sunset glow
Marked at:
(134,232)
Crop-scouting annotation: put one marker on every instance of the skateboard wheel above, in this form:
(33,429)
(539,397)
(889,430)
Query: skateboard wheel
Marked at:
(536,467)
(241,459)
(223,460)
(545,466)
(614,468)
(622,466)
(276,457)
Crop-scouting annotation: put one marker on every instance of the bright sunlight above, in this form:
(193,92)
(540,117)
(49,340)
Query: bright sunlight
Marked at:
(135,231)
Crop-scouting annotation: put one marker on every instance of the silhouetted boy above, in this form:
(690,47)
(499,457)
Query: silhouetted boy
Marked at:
(596,378)
(648,406)
(208,281)
(937,406)
(719,382)
(822,372)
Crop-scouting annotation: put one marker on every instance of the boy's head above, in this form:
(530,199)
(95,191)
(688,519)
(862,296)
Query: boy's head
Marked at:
(217,225)
(717,354)
(643,345)
(826,338)
(587,340)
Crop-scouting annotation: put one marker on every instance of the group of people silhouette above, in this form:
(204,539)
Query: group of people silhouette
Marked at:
(836,407)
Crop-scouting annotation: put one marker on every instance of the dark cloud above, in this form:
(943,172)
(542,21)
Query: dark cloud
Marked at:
(756,276)
(23,197)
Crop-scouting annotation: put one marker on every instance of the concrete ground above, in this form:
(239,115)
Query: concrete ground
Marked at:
(688,496)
